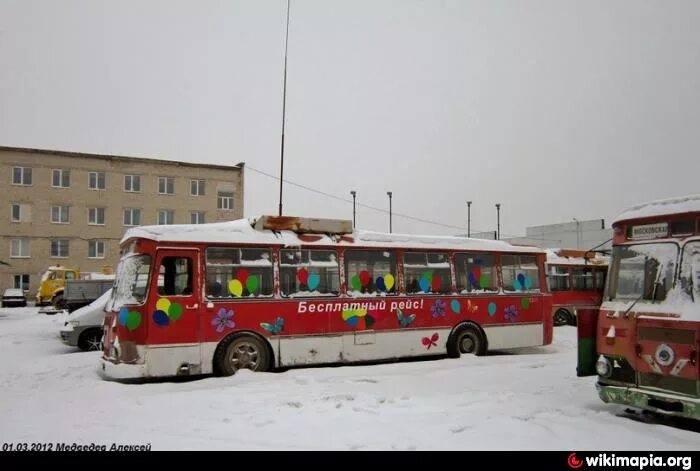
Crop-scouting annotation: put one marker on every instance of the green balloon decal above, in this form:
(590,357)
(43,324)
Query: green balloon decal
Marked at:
(252,284)
(356,283)
(525,303)
(133,320)
(484,281)
(428,275)
(175,311)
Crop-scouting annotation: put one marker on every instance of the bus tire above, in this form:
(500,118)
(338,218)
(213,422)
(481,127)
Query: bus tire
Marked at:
(562,317)
(466,339)
(242,351)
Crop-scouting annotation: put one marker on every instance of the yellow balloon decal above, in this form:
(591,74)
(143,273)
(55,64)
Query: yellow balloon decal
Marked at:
(389,281)
(235,287)
(163,304)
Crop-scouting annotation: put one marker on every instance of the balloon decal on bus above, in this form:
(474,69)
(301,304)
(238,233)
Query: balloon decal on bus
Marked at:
(358,318)
(382,283)
(311,280)
(522,282)
(243,278)
(129,319)
(166,312)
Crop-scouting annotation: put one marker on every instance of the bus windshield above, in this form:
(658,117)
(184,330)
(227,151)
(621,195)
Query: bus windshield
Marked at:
(642,272)
(690,269)
(131,281)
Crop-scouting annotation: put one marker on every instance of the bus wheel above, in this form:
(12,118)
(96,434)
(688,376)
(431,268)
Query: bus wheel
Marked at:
(466,340)
(241,352)
(562,317)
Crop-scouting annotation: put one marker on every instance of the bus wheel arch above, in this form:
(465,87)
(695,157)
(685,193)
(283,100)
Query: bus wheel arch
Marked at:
(242,350)
(563,316)
(467,337)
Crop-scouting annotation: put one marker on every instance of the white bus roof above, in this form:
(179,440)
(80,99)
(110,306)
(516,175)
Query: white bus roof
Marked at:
(243,231)
(567,257)
(679,205)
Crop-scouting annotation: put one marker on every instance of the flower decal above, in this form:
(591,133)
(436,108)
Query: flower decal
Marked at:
(223,320)
(438,309)
(511,313)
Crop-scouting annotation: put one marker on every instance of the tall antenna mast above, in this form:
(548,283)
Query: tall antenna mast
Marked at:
(284,108)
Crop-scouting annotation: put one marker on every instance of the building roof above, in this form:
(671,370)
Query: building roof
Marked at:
(26,150)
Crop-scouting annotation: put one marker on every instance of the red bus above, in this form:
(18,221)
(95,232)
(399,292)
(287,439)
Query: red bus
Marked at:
(643,342)
(281,291)
(576,279)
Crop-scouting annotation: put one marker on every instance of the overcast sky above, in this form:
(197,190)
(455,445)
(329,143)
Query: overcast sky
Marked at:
(556,109)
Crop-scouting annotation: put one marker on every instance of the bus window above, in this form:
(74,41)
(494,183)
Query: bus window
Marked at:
(558,278)
(520,273)
(600,279)
(475,272)
(175,276)
(233,272)
(369,272)
(427,272)
(582,278)
(305,271)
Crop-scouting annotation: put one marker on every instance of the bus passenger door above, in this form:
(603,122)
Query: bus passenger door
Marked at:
(174,334)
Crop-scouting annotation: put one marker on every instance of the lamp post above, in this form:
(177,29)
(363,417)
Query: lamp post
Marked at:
(498,221)
(284,108)
(469,218)
(389,193)
(353,193)
(578,232)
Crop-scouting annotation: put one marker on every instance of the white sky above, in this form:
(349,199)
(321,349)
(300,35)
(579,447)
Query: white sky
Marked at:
(556,109)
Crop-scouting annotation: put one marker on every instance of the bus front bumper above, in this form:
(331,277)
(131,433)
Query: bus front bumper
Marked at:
(663,403)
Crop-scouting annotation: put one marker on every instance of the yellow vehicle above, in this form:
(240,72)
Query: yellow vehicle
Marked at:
(53,282)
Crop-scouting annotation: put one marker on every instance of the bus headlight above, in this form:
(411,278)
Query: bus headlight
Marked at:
(664,355)
(603,367)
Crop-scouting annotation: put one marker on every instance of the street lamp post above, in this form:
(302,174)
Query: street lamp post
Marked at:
(353,193)
(578,232)
(469,218)
(389,193)
(498,221)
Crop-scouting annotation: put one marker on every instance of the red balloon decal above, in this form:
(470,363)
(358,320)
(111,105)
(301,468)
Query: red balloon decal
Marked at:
(242,276)
(303,275)
(437,283)
(364,277)
(477,273)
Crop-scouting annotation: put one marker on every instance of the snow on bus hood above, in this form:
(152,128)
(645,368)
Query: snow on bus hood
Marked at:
(679,205)
(241,231)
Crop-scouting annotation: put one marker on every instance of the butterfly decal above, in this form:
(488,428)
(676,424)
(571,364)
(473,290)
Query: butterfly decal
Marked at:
(275,328)
(430,342)
(405,321)
(472,307)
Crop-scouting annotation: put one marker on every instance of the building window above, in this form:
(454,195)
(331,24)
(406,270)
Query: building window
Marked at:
(166,216)
(96,249)
(197,187)
(166,186)
(19,248)
(96,216)
(59,248)
(21,282)
(96,181)
(60,178)
(197,217)
(132,217)
(224,200)
(60,214)
(22,176)
(16,213)
(132,183)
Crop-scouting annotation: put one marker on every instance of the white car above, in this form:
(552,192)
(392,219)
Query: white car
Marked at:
(83,327)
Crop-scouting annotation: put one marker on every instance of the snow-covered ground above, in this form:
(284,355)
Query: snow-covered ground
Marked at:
(531,400)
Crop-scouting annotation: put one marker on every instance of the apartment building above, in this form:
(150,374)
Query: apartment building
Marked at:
(72,209)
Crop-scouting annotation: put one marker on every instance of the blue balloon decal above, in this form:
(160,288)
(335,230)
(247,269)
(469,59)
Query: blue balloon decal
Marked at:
(160,318)
(123,314)
(313,281)
(455,306)
(424,285)
(380,284)
(473,280)
(492,309)
(528,282)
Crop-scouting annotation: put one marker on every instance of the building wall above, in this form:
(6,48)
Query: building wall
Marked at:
(571,235)
(37,199)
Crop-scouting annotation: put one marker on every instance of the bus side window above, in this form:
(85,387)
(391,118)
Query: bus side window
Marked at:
(176,276)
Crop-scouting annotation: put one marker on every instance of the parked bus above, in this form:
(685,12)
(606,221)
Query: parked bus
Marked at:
(576,280)
(281,291)
(644,341)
